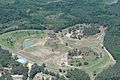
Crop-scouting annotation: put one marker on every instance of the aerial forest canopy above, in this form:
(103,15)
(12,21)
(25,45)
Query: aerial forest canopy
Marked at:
(9,61)
(56,15)
(60,14)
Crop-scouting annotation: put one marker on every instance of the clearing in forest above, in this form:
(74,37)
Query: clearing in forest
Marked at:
(75,47)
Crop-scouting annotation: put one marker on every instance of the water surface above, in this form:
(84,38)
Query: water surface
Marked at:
(28,43)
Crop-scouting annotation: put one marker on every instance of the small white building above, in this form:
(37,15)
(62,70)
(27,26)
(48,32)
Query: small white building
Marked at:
(76,57)
(22,61)
(17,77)
(1,73)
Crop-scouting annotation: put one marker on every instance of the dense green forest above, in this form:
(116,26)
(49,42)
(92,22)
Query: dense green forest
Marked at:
(41,14)
(8,61)
(112,44)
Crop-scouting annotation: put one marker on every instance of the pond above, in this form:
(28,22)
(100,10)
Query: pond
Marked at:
(28,42)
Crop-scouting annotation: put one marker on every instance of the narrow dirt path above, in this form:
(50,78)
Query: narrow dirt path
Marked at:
(111,57)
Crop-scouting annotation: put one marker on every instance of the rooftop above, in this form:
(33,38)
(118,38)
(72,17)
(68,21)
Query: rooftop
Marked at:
(23,61)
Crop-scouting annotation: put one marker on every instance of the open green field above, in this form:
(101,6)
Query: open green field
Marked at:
(16,38)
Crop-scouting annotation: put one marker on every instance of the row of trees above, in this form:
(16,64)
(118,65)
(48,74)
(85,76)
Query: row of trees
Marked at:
(77,74)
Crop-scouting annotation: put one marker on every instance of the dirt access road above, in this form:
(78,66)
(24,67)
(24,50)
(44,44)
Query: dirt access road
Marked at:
(94,42)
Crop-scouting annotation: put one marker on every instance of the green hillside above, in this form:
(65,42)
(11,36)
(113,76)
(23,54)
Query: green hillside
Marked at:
(60,14)
(57,15)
